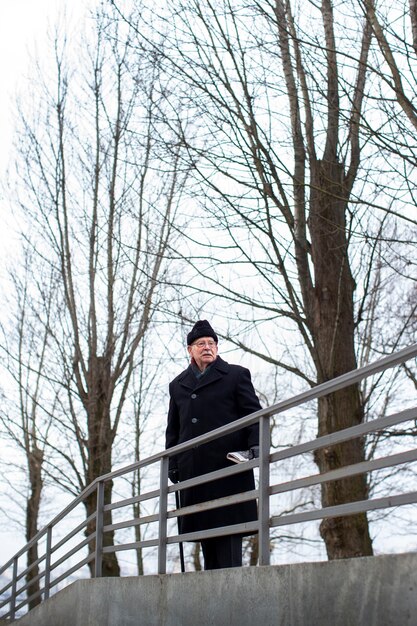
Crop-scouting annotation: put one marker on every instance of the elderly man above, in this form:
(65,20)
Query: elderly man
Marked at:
(208,394)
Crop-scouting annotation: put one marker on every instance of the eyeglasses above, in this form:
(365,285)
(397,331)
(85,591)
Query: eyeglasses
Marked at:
(203,344)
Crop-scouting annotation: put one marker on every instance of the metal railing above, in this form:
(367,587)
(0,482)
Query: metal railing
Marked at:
(13,595)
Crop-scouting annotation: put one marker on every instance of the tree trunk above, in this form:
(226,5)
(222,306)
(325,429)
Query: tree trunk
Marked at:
(99,454)
(35,458)
(333,333)
(253,546)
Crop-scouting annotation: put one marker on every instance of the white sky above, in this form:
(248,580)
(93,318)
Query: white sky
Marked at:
(22,23)
(23,29)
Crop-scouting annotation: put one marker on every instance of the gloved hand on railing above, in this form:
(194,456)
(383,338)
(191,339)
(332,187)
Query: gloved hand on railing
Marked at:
(255,452)
(173,475)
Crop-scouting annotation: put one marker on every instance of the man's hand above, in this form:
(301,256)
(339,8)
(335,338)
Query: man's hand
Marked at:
(255,452)
(173,475)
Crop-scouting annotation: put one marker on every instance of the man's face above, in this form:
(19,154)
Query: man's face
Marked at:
(204,351)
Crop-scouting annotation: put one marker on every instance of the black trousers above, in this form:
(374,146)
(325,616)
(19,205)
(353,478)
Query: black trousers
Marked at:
(221,552)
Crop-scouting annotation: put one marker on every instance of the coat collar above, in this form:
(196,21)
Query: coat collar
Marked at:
(218,369)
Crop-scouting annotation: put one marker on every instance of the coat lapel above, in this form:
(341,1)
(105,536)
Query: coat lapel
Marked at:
(187,378)
(219,369)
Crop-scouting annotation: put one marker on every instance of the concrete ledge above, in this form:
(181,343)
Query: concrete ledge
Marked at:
(371,591)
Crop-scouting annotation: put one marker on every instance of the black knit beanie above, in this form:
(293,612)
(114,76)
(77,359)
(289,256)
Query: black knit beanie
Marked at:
(201,329)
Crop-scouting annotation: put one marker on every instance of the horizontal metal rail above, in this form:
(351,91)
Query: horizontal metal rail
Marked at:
(29,584)
(129,501)
(342,510)
(147,519)
(346,434)
(346,472)
(215,504)
(73,532)
(71,570)
(30,568)
(146,543)
(52,574)
(235,529)
(6,600)
(206,478)
(73,551)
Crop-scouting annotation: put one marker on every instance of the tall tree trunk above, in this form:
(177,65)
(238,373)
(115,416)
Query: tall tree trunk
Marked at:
(100,453)
(35,459)
(333,332)
(253,546)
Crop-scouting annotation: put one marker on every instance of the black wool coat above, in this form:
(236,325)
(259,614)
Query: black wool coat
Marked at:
(223,394)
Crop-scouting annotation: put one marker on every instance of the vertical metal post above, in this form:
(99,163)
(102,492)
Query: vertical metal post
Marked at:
(180,544)
(48,563)
(13,592)
(99,530)
(263,504)
(163,508)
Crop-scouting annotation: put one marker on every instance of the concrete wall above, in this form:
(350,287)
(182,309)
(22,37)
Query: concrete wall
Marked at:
(365,591)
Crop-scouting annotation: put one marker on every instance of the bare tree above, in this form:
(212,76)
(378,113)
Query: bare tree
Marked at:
(100,192)
(398,51)
(278,98)
(27,389)
(143,402)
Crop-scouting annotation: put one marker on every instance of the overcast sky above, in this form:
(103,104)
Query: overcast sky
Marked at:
(24,28)
(23,23)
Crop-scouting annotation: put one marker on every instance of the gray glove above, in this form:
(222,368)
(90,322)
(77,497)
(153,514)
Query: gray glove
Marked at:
(255,452)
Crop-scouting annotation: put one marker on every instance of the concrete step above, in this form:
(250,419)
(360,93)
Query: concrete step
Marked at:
(371,591)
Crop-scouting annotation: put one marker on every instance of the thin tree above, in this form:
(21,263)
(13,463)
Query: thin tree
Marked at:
(100,195)
(25,422)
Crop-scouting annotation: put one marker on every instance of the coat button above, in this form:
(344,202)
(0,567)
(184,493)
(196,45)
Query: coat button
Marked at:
(194,420)
(193,396)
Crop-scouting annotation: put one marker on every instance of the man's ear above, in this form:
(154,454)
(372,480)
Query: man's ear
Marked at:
(189,350)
